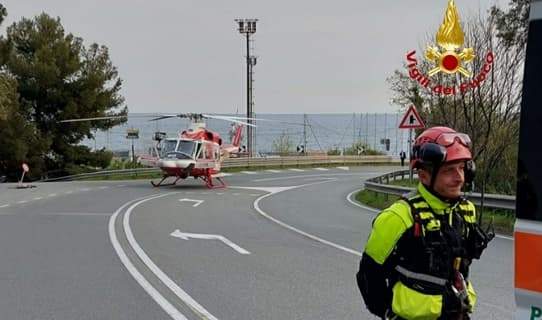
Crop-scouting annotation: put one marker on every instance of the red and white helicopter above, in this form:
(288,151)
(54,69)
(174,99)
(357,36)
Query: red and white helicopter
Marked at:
(196,152)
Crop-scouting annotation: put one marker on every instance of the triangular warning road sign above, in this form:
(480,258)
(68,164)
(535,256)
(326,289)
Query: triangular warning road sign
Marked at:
(411,119)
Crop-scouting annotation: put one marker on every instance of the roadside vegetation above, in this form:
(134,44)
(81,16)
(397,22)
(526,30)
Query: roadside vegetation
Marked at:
(503,220)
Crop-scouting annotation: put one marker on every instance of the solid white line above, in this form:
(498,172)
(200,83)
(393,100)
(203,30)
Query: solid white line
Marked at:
(190,302)
(357,204)
(144,283)
(303,233)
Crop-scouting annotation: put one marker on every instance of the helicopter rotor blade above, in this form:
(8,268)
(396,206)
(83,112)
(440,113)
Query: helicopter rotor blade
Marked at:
(225,118)
(94,118)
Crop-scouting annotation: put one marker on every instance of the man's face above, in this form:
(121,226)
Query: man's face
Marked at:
(449,181)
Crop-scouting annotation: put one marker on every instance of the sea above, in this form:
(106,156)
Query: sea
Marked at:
(323,132)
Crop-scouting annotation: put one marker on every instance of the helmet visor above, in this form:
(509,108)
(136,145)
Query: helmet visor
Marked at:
(447,139)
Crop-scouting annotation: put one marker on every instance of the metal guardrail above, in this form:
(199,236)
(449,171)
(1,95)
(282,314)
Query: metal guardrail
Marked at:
(249,163)
(381,184)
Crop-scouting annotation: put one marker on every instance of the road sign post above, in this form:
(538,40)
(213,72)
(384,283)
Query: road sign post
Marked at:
(411,120)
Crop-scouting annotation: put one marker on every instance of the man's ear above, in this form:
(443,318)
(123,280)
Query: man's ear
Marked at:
(424,176)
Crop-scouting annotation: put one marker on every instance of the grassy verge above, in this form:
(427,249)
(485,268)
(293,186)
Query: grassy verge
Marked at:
(503,220)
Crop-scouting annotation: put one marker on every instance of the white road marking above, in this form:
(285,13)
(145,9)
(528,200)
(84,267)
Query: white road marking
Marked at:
(85,189)
(187,299)
(51,195)
(144,283)
(178,234)
(22,201)
(248,172)
(255,194)
(236,194)
(37,198)
(197,202)
(306,176)
(296,170)
(225,174)
(189,192)
(321,169)
(219,193)
(303,233)
(343,168)
(121,185)
(273,171)
(357,204)
(4,205)
(69,192)
(103,188)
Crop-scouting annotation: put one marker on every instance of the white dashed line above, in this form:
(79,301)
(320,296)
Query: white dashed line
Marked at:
(85,189)
(4,205)
(343,168)
(236,194)
(296,170)
(121,185)
(224,174)
(103,188)
(321,169)
(248,172)
(69,192)
(255,194)
(219,193)
(22,201)
(273,171)
(52,195)
(37,198)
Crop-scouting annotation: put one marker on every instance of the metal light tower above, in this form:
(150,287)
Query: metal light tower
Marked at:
(248,27)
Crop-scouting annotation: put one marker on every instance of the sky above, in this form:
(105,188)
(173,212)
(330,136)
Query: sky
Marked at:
(314,56)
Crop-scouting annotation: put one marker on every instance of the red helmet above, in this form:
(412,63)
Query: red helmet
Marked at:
(438,145)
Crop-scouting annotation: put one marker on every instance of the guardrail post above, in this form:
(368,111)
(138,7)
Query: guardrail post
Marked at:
(387,179)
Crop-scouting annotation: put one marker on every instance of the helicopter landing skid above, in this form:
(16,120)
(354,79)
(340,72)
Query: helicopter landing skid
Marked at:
(159,184)
(208,179)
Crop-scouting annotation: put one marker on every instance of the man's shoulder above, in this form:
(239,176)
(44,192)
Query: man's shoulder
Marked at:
(398,212)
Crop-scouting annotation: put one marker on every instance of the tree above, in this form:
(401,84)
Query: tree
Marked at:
(283,144)
(488,113)
(59,78)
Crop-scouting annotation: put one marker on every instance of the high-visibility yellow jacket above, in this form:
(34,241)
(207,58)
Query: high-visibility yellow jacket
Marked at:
(387,279)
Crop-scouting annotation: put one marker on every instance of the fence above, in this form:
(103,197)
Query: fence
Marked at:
(381,184)
(252,163)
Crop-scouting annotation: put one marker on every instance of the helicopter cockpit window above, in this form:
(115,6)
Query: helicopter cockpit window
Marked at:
(186,147)
(168,146)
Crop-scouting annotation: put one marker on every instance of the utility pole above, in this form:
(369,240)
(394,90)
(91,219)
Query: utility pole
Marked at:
(305,123)
(248,27)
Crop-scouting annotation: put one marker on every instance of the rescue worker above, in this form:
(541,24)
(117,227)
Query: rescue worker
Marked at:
(416,260)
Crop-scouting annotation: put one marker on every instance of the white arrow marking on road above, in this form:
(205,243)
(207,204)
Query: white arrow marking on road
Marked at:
(197,202)
(178,234)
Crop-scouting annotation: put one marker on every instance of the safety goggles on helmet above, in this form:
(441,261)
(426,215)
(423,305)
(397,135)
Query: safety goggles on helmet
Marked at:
(448,138)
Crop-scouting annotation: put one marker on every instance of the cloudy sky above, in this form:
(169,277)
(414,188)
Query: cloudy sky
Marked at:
(314,56)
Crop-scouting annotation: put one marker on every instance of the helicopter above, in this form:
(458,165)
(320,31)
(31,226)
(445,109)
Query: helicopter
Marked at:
(196,152)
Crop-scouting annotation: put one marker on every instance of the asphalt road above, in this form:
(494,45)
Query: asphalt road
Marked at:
(274,245)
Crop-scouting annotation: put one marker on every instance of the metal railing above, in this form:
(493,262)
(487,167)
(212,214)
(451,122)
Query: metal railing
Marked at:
(381,184)
(250,163)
